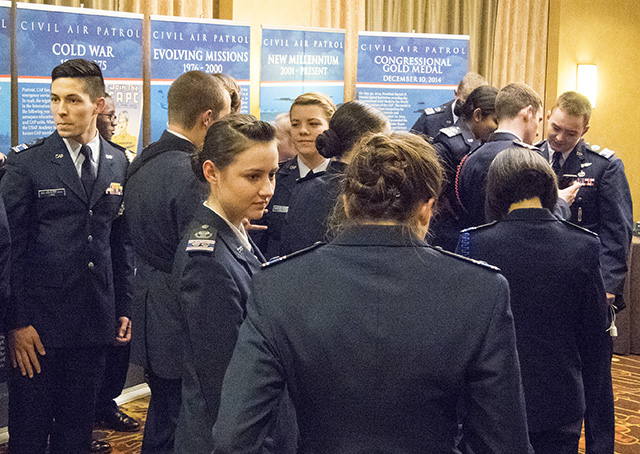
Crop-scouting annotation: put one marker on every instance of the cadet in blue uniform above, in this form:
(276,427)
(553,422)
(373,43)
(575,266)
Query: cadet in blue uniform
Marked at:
(312,204)
(378,336)
(477,122)
(70,273)
(214,264)
(310,114)
(603,203)
(162,198)
(5,262)
(435,118)
(558,302)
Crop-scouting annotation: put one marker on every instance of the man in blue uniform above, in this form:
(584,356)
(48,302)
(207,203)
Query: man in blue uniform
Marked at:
(162,198)
(70,272)
(435,118)
(603,203)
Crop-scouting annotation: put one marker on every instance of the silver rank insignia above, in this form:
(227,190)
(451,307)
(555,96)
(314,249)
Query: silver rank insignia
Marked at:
(200,245)
(203,234)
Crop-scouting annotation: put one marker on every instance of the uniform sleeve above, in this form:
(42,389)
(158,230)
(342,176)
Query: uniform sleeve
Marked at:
(122,260)
(210,302)
(253,387)
(186,203)
(17,193)
(5,261)
(616,225)
(595,346)
(495,419)
(419,126)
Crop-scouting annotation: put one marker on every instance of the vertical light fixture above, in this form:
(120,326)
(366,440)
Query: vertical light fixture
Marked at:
(587,82)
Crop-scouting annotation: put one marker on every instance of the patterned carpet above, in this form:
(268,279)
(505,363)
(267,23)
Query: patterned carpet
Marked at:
(626,388)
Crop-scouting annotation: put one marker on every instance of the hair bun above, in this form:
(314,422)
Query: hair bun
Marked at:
(329,144)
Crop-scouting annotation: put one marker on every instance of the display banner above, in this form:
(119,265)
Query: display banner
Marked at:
(296,61)
(5,76)
(179,45)
(404,73)
(49,35)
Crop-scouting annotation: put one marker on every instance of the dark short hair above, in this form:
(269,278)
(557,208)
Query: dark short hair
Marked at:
(389,176)
(88,71)
(234,90)
(483,98)
(575,104)
(518,174)
(513,98)
(193,93)
(229,137)
(348,124)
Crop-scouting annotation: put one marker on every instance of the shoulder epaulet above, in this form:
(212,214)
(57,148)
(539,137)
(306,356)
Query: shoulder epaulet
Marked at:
(202,239)
(520,143)
(433,110)
(26,146)
(277,260)
(582,229)
(451,131)
(477,227)
(116,146)
(467,259)
(604,152)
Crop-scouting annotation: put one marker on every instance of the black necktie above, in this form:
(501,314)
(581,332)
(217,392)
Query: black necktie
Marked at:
(87,176)
(555,163)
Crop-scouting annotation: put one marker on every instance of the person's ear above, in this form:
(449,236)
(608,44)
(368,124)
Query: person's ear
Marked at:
(477,115)
(425,211)
(584,131)
(99,105)
(207,118)
(211,172)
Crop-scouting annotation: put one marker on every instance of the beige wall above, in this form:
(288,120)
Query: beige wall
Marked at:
(607,34)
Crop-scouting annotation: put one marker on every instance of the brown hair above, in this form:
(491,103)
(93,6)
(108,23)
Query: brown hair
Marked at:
(314,98)
(193,93)
(515,97)
(575,104)
(87,71)
(389,176)
(518,174)
(229,137)
(235,92)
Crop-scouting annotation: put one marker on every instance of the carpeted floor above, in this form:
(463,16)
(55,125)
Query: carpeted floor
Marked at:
(626,388)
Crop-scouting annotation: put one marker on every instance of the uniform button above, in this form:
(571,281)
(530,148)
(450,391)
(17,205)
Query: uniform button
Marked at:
(90,212)
(91,265)
(90,238)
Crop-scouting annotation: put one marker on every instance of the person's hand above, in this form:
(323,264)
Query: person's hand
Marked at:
(24,346)
(124,331)
(249,226)
(569,194)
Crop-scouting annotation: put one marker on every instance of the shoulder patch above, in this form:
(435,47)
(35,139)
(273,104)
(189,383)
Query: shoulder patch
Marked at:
(26,146)
(451,131)
(604,152)
(202,239)
(277,260)
(467,259)
(575,226)
(520,143)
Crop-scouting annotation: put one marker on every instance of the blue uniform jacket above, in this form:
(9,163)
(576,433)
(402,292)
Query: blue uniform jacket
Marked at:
(433,119)
(377,337)
(452,144)
(163,193)
(5,262)
(64,244)
(603,205)
(560,313)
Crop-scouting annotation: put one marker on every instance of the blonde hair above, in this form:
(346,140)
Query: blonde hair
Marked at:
(314,98)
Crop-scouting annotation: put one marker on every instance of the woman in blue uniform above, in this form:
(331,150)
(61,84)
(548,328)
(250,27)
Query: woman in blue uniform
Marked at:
(558,302)
(314,199)
(477,122)
(376,335)
(214,263)
(309,114)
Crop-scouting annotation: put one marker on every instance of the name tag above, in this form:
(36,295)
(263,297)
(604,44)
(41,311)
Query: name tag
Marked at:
(280,209)
(44,193)
(114,189)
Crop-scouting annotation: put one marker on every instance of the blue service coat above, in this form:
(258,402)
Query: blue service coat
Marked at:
(603,205)
(63,244)
(163,193)
(433,119)
(377,336)
(452,144)
(5,262)
(561,318)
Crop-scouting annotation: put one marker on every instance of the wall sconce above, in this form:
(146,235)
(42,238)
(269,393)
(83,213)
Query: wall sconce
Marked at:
(587,82)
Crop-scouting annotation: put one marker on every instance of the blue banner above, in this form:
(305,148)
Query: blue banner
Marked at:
(50,35)
(296,61)
(5,77)
(404,73)
(179,45)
